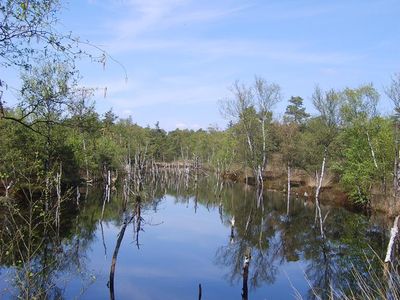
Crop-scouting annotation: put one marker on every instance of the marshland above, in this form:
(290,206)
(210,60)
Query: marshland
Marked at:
(288,197)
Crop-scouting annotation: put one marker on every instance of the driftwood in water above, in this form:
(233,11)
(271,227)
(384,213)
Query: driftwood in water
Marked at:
(393,238)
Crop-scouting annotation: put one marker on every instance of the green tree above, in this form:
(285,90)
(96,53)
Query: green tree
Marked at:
(328,105)
(250,110)
(393,92)
(44,101)
(295,111)
(364,139)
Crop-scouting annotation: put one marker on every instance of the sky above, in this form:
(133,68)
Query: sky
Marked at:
(181,56)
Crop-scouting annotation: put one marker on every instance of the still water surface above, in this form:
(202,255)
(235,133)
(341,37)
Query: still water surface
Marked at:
(200,235)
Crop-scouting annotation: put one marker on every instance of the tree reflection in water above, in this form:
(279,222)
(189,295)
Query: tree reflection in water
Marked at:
(260,237)
(37,247)
(275,238)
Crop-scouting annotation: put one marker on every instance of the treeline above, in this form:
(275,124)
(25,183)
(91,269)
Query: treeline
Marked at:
(55,127)
(347,138)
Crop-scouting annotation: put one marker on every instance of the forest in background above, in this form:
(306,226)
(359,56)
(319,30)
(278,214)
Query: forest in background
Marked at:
(54,127)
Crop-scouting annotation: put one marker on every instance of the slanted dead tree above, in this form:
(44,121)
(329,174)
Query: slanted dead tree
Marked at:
(115,255)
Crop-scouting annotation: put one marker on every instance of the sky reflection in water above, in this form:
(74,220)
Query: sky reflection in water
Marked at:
(185,242)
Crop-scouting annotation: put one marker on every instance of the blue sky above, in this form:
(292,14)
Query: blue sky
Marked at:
(182,55)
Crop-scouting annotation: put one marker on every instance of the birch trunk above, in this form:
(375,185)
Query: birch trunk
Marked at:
(393,236)
(264,161)
(318,207)
(372,151)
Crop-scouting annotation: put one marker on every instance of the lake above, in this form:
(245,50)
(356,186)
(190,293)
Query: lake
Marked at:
(185,234)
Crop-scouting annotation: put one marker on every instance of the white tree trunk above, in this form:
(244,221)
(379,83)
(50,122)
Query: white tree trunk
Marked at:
(318,207)
(264,161)
(372,151)
(393,236)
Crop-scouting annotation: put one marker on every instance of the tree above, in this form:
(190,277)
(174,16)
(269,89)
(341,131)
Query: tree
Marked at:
(250,109)
(295,111)
(44,101)
(328,105)
(25,22)
(289,133)
(393,92)
(359,165)
(109,118)
(28,35)
(267,95)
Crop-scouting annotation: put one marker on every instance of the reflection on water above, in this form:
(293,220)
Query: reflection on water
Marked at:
(181,235)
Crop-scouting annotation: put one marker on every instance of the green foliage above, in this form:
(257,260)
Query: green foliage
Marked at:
(295,111)
(356,167)
(55,123)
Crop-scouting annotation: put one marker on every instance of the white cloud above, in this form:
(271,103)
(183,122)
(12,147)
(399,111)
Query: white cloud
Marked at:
(221,48)
(141,17)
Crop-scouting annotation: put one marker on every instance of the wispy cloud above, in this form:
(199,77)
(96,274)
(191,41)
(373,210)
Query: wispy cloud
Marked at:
(297,52)
(160,15)
(188,52)
(141,16)
(168,94)
(149,27)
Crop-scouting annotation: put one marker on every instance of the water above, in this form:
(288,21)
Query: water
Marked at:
(186,238)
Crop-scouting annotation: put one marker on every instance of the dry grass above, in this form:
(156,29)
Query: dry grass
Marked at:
(378,283)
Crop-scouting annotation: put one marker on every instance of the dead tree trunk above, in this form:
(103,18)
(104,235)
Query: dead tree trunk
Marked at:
(245,289)
(317,203)
(115,256)
(200,291)
(393,238)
